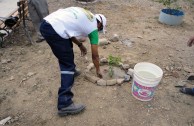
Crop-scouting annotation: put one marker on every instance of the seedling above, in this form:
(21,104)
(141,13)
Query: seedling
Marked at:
(113,61)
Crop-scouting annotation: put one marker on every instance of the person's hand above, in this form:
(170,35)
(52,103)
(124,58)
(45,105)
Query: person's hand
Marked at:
(190,42)
(83,50)
(99,74)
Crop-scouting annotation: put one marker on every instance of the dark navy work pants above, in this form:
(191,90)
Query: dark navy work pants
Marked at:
(63,50)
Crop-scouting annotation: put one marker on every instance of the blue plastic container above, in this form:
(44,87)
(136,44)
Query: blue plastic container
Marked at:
(171,16)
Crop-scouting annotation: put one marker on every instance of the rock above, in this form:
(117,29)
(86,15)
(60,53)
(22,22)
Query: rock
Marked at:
(125,66)
(30,74)
(111,82)
(90,66)
(103,60)
(104,47)
(11,78)
(24,79)
(167,68)
(40,52)
(4,121)
(130,72)
(181,83)
(140,37)
(127,78)
(120,81)
(5,61)
(103,42)
(87,71)
(92,79)
(101,82)
(86,58)
(115,38)
(170,55)
(116,47)
(144,52)
(171,68)
(186,69)
(179,68)
(127,42)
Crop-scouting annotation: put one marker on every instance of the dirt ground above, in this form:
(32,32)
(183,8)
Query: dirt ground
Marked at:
(29,74)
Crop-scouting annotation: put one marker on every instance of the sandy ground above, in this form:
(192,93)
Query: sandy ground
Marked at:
(29,74)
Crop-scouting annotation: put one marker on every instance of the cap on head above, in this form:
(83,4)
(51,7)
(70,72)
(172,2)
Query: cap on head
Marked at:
(102,20)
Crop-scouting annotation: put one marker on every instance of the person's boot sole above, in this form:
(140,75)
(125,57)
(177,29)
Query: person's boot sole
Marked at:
(65,113)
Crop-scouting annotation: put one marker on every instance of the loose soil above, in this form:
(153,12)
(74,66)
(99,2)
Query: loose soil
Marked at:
(30,78)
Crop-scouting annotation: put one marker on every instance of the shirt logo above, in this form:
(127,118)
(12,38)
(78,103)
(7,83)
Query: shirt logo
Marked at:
(89,15)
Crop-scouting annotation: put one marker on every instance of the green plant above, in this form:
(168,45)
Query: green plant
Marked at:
(113,61)
(110,71)
(172,4)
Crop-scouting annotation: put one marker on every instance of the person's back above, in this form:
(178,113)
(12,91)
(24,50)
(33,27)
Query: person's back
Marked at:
(78,22)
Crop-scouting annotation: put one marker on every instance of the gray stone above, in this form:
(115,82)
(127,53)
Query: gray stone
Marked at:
(40,52)
(104,47)
(140,37)
(11,78)
(4,121)
(170,55)
(115,38)
(127,78)
(130,72)
(120,64)
(90,66)
(179,68)
(92,79)
(167,68)
(120,81)
(181,83)
(111,82)
(125,66)
(127,42)
(4,61)
(103,42)
(187,69)
(101,82)
(103,60)
(30,74)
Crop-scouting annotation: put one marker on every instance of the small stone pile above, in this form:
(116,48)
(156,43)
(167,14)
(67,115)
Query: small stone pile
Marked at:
(111,82)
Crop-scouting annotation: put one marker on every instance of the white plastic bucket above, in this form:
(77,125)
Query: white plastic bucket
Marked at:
(146,77)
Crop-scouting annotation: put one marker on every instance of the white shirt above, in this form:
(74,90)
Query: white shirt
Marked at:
(72,22)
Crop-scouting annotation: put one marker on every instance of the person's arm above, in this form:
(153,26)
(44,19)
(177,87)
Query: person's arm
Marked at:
(80,45)
(93,36)
(191,41)
(95,59)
